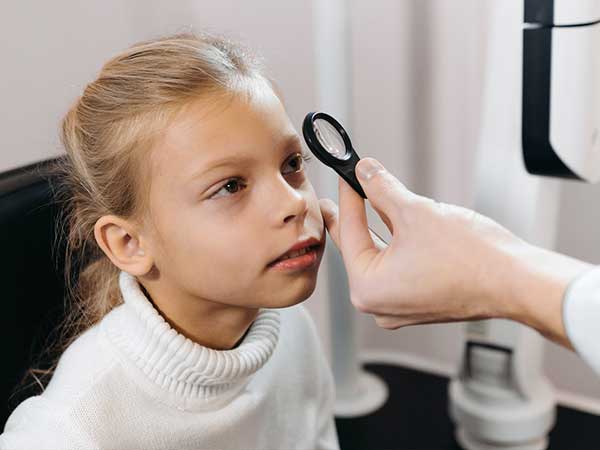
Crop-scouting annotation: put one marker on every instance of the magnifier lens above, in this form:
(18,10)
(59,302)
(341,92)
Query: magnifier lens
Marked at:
(329,138)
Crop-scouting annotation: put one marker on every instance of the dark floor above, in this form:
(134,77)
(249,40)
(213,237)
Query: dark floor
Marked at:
(415,418)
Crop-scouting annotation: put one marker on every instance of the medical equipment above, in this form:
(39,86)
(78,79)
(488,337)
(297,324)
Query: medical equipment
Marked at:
(561,93)
(541,110)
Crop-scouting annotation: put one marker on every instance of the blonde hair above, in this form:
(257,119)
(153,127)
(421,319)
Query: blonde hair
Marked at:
(107,134)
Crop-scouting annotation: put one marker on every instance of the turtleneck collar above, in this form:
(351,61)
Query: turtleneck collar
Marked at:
(176,363)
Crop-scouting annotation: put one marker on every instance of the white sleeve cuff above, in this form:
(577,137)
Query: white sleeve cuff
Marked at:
(581,316)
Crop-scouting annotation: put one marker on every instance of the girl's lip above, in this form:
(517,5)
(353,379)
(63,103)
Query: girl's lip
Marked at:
(310,242)
(301,262)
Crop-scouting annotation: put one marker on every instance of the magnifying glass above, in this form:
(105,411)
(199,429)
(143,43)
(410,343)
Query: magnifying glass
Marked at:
(330,143)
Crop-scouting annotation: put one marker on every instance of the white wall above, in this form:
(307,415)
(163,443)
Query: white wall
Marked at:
(49,49)
(417,81)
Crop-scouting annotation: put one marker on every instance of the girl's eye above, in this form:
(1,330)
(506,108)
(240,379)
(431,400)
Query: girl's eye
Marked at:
(296,163)
(233,186)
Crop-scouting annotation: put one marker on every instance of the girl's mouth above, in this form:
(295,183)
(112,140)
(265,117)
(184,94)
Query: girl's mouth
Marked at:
(300,259)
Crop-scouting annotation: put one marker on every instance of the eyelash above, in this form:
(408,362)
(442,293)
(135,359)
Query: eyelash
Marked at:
(304,156)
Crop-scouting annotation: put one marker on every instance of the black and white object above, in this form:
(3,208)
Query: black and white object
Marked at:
(330,143)
(561,88)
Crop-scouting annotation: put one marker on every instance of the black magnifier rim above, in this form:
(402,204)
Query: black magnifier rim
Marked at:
(313,141)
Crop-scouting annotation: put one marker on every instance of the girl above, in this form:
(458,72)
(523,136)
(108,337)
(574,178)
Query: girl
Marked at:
(197,231)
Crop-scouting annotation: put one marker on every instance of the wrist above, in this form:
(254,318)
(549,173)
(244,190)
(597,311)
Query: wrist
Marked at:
(537,285)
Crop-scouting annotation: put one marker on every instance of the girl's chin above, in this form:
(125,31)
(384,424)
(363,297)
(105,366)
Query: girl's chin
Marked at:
(292,297)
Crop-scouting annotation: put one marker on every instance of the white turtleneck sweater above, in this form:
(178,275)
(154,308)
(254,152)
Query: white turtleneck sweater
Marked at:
(132,382)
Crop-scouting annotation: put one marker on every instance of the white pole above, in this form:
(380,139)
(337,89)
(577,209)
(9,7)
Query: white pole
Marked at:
(357,392)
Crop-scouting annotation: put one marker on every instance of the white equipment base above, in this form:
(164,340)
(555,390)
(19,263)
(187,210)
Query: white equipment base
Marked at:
(370,393)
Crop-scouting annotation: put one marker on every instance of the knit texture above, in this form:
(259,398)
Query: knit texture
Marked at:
(133,382)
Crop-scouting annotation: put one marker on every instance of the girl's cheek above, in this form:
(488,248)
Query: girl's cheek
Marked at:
(315,211)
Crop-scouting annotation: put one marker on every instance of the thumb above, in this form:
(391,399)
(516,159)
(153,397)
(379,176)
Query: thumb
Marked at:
(385,192)
(330,213)
(356,242)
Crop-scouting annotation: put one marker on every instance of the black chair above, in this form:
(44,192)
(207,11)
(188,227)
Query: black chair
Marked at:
(32,279)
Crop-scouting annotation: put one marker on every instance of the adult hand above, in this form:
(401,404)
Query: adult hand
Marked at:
(444,263)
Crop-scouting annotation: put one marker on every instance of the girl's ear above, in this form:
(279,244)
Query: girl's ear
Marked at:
(123,245)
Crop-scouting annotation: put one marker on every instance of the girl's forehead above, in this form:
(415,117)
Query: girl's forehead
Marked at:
(240,126)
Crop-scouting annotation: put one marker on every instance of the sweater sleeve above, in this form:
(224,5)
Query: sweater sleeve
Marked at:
(41,424)
(581,316)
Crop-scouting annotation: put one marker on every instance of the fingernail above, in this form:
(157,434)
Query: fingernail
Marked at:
(367,168)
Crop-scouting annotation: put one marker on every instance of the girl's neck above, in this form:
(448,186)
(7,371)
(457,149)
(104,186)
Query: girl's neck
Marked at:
(213,325)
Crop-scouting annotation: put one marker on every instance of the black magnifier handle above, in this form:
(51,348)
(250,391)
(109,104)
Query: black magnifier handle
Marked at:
(348,172)
(330,143)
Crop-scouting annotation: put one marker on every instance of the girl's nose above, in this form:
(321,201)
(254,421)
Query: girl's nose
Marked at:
(290,203)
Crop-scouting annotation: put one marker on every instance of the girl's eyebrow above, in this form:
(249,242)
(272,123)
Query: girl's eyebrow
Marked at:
(288,141)
(232,160)
(291,140)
